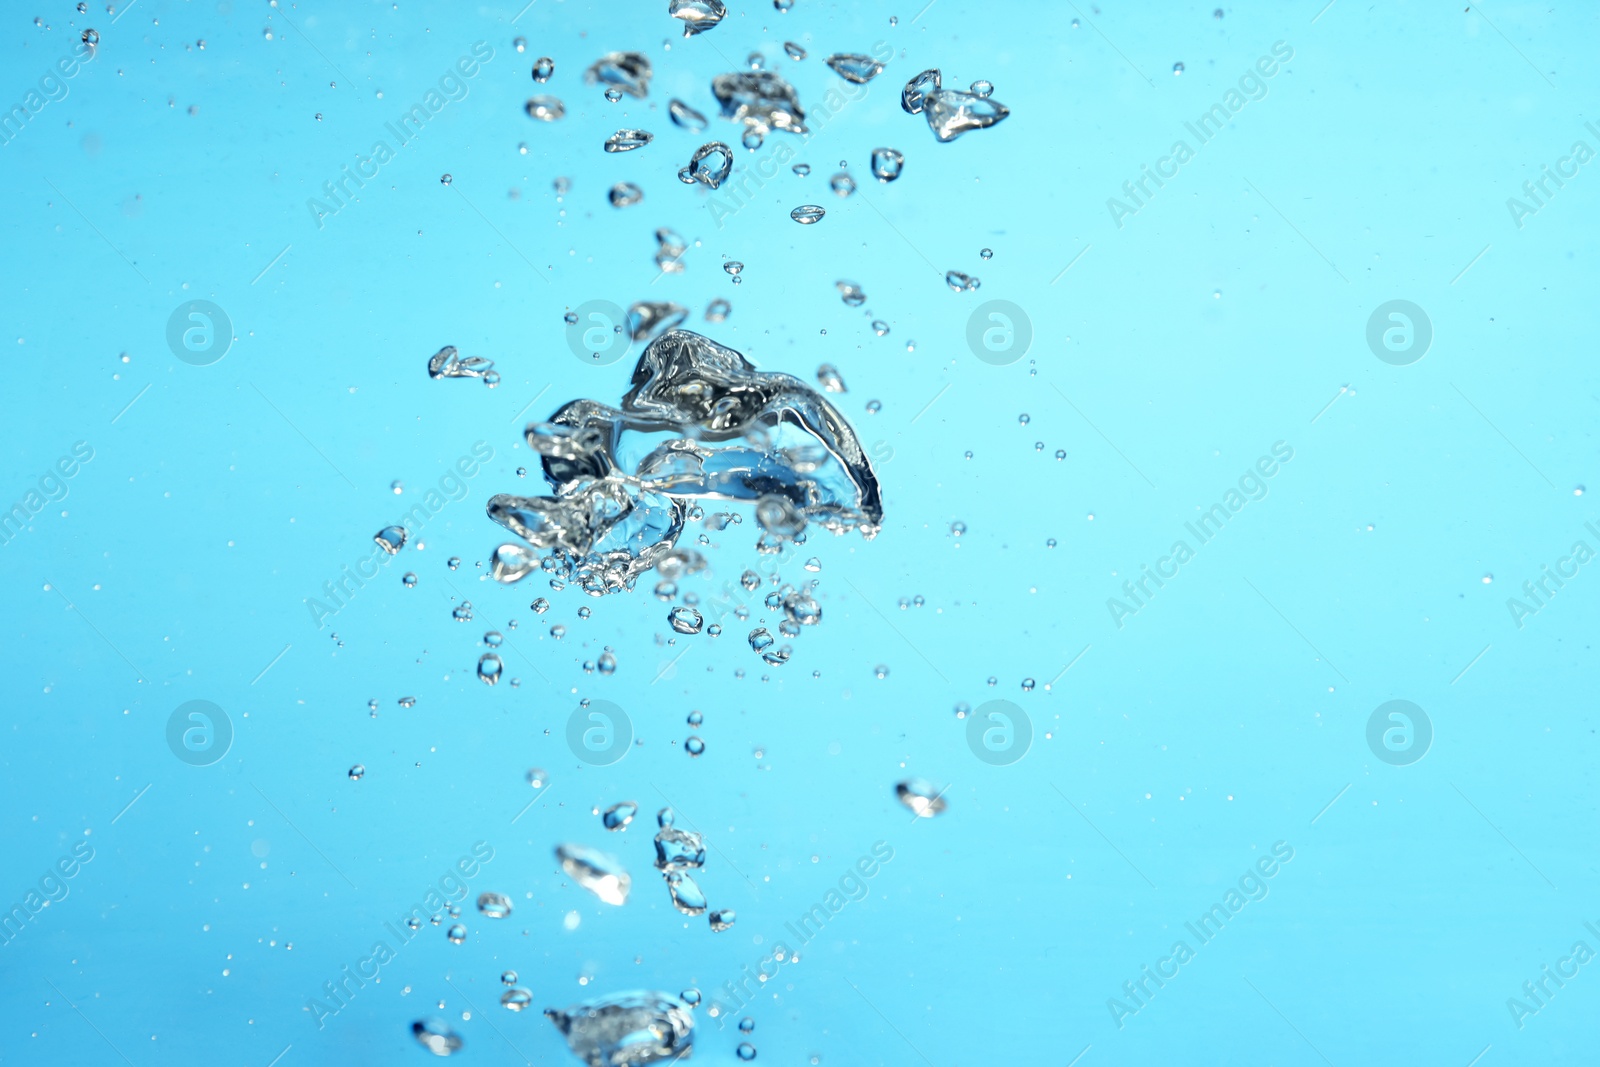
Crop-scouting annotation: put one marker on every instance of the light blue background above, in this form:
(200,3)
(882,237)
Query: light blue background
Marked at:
(1222,718)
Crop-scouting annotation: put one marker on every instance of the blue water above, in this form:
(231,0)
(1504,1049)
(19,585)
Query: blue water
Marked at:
(219,369)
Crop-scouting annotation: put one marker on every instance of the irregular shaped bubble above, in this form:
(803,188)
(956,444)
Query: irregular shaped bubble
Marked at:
(627,71)
(711,163)
(761,99)
(680,562)
(625,194)
(670,248)
(951,112)
(802,608)
(854,67)
(698,15)
(648,318)
(685,620)
(631,1029)
(494,905)
(391,539)
(618,816)
(436,1036)
(777,515)
(922,796)
(687,896)
(512,563)
(917,90)
(685,116)
(600,532)
(795,52)
(678,850)
(671,241)
(545,108)
(700,423)
(806,214)
(446,363)
(595,871)
(886,164)
(628,140)
(563,442)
